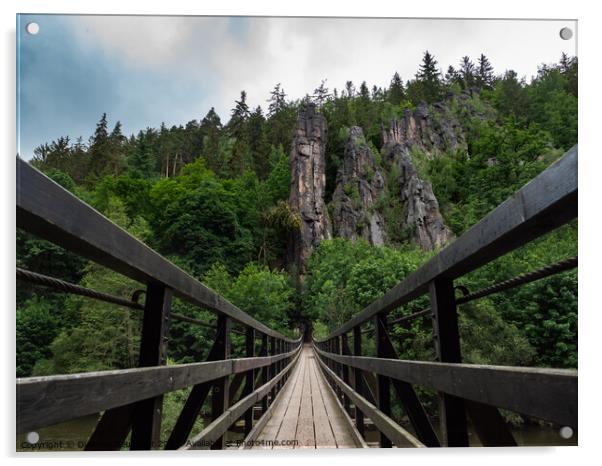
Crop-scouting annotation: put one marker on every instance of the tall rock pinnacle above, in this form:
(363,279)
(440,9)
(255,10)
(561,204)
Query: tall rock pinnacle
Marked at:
(308,183)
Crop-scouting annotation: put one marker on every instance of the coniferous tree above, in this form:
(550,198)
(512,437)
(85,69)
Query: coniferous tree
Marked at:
(452,77)
(99,150)
(484,77)
(467,72)
(277,101)
(349,89)
(396,91)
(211,129)
(238,129)
(321,94)
(429,79)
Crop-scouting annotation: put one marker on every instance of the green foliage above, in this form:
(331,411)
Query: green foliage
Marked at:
(37,325)
(264,294)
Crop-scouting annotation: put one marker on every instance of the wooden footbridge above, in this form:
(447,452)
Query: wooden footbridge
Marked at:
(271,391)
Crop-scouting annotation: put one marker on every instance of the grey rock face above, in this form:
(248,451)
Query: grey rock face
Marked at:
(308,182)
(434,132)
(359,185)
(423,218)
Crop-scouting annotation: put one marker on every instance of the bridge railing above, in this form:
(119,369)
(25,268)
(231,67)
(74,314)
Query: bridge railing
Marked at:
(131,400)
(465,390)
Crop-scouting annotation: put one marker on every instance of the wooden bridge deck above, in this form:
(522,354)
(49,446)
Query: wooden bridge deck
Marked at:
(306,414)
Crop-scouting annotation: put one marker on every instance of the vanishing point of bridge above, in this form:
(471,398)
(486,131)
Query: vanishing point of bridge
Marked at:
(276,392)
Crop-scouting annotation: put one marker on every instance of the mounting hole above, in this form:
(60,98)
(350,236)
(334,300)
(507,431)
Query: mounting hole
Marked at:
(566,432)
(33,437)
(32,28)
(566,33)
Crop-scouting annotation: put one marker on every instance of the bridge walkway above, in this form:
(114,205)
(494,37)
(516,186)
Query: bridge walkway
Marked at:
(306,413)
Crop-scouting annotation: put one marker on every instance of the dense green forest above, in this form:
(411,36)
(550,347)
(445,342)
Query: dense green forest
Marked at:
(212,196)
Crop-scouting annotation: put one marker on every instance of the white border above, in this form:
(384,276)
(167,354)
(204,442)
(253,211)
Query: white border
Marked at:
(590,226)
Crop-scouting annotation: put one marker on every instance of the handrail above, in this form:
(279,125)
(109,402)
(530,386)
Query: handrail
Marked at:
(542,205)
(47,210)
(526,390)
(465,390)
(48,400)
(132,399)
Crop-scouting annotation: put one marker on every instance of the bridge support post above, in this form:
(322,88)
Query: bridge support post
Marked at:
(146,416)
(384,383)
(250,377)
(264,372)
(359,382)
(345,351)
(446,335)
(220,389)
(272,352)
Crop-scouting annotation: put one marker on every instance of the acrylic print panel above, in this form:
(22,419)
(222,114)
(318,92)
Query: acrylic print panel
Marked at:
(218,215)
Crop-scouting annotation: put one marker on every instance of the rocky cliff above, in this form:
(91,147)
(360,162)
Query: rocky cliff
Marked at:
(308,182)
(436,130)
(359,185)
(422,219)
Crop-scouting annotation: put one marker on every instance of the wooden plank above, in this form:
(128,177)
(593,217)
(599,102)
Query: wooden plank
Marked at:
(542,205)
(305,434)
(269,433)
(47,210)
(288,427)
(324,432)
(397,434)
(548,394)
(267,427)
(345,433)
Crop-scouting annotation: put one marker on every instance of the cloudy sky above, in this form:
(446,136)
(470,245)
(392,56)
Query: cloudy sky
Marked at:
(144,70)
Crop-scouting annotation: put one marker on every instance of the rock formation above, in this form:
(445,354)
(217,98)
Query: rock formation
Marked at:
(437,130)
(422,217)
(359,185)
(308,182)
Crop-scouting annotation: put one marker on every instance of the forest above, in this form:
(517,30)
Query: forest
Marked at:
(212,196)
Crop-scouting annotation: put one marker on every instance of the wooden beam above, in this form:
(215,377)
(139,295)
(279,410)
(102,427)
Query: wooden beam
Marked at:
(446,336)
(250,379)
(219,392)
(548,394)
(47,400)
(383,382)
(359,380)
(146,417)
(406,394)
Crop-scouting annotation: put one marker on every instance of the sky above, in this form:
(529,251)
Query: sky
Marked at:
(145,70)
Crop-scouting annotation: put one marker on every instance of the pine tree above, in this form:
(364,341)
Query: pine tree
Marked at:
(396,91)
(452,77)
(99,151)
(277,101)
(467,73)
(238,129)
(484,77)
(429,78)
(349,89)
(320,95)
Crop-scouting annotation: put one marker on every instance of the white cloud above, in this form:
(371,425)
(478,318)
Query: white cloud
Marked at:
(256,53)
